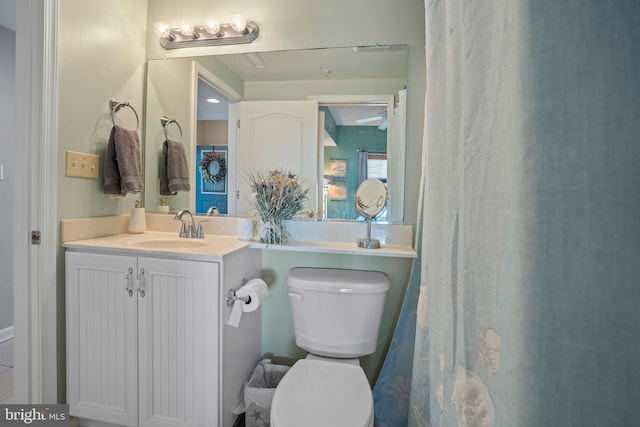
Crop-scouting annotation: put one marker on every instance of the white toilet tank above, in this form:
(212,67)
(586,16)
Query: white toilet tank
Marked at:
(337,313)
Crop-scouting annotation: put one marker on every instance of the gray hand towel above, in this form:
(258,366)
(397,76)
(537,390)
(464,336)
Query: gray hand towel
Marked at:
(174,172)
(123,164)
(111,172)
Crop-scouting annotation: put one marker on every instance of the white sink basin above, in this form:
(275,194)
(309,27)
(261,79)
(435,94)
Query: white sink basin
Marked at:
(209,248)
(177,243)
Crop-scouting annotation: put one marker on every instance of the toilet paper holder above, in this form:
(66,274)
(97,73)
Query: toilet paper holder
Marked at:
(232,297)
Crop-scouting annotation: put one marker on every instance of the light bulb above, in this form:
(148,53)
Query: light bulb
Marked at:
(186,29)
(212,26)
(239,23)
(161,29)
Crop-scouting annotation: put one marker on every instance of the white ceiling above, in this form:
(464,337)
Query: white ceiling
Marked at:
(8,14)
(348,116)
(207,111)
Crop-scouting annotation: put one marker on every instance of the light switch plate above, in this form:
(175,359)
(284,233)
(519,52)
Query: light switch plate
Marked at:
(82,165)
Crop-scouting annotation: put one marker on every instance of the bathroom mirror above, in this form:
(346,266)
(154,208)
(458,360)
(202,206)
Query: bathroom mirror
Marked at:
(370,201)
(359,96)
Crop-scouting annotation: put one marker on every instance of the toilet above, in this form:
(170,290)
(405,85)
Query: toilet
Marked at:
(336,317)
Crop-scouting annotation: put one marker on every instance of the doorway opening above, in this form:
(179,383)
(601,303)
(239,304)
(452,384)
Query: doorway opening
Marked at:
(359,142)
(214,152)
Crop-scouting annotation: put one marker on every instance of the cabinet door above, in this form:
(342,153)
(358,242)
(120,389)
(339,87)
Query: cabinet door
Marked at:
(101,338)
(178,308)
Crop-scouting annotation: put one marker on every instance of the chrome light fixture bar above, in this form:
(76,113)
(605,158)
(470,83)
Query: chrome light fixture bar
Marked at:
(238,31)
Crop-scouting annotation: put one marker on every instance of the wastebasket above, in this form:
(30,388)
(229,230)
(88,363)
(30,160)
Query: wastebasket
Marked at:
(255,398)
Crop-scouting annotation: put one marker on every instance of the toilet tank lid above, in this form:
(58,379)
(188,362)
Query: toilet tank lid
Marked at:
(338,280)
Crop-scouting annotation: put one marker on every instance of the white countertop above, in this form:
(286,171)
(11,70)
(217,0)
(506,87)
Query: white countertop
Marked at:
(340,248)
(210,248)
(220,238)
(215,247)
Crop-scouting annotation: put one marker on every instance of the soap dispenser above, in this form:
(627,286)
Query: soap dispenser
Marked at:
(163,206)
(137,222)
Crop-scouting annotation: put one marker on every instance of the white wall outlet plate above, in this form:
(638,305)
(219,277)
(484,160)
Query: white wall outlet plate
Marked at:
(82,165)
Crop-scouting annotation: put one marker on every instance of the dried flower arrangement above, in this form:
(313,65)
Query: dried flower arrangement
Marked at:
(278,195)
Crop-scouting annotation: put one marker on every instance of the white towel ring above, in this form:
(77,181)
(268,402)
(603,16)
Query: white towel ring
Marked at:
(165,122)
(116,105)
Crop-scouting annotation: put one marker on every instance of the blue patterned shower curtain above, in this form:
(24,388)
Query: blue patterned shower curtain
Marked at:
(527,305)
(391,391)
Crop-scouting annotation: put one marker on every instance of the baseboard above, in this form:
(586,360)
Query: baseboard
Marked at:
(6,333)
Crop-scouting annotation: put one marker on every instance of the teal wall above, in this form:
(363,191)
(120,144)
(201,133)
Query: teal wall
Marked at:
(350,140)
(277,321)
(330,124)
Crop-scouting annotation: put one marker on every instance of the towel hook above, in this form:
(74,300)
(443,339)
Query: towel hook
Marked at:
(165,122)
(115,105)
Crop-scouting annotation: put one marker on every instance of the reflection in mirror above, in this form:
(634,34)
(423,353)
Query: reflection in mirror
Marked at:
(358,148)
(370,201)
(176,88)
(212,151)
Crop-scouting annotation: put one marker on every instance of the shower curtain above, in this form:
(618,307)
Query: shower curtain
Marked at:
(527,313)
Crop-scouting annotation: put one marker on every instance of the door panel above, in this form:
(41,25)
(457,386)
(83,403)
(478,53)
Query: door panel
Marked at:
(179,352)
(101,338)
(277,135)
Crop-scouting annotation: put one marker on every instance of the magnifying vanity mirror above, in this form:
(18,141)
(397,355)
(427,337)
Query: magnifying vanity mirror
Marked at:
(327,115)
(370,201)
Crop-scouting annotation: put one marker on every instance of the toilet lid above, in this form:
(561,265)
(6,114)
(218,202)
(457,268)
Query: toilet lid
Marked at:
(319,394)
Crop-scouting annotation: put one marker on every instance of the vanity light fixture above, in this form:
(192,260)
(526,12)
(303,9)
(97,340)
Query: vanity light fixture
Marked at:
(213,33)
(213,101)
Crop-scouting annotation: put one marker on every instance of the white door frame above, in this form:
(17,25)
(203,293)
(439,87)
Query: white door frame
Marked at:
(35,207)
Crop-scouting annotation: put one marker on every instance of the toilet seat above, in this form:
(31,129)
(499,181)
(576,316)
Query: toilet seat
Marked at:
(319,394)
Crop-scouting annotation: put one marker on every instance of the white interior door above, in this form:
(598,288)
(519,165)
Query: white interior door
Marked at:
(277,135)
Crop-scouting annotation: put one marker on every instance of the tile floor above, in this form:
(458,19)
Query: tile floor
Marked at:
(6,371)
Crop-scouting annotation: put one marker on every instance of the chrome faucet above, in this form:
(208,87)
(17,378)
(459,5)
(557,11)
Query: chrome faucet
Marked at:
(213,211)
(184,230)
(190,231)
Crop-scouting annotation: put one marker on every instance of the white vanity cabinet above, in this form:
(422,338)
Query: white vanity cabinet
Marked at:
(145,338)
